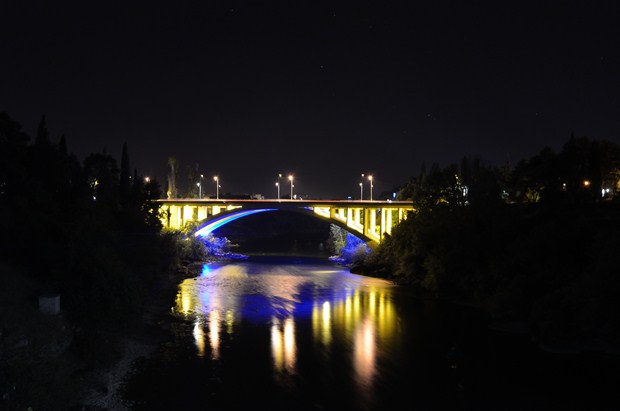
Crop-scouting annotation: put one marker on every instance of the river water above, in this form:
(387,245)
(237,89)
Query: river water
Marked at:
(301,333)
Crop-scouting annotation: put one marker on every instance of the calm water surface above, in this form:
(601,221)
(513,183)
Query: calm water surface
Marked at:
(296,333)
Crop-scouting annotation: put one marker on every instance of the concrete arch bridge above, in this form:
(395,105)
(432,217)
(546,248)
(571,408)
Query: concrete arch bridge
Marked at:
(368,220)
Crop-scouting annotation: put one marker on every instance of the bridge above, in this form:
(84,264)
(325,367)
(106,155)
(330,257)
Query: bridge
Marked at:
(369,220)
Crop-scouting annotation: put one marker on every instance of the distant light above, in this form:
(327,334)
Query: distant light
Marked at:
(586,183)
(393,195)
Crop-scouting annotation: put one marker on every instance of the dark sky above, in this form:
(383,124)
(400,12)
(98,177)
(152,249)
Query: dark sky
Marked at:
(324,90)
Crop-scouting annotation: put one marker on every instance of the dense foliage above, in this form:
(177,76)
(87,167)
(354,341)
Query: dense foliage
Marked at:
(88,231)
(346,247)
(535,243)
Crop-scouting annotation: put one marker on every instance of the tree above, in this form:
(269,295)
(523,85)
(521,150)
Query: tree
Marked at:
(13,149)
(173,171)
(193,178)
(125,176)
(42,137)
(102,175)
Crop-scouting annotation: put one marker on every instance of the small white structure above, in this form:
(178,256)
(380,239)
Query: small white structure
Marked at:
(49,304)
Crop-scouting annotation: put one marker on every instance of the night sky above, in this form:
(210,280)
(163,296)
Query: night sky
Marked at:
(323,90)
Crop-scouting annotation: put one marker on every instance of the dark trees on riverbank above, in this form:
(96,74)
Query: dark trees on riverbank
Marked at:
(76,227)
(534,243)
(88,231)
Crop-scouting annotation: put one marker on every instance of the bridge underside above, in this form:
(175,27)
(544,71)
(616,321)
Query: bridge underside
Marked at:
(368,220)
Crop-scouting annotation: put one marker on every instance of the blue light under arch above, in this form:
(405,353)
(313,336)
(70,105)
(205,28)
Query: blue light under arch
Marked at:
(215,224)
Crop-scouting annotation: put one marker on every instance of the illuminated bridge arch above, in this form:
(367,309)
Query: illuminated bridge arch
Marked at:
(369,220)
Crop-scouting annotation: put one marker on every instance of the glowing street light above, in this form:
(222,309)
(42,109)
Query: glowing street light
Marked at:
(200,187)
(278,185)
(290,177)
(362,188)
(370,179)
(217,187)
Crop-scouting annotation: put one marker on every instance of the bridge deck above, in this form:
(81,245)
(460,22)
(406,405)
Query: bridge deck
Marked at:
(370,219)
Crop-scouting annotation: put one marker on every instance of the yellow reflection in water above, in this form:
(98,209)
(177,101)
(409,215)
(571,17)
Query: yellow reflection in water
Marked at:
(364,347)
(365,317)
(214,334)
(230,320)
(326,323)
(185,300)
(199,338)
(283,346)
(218,291)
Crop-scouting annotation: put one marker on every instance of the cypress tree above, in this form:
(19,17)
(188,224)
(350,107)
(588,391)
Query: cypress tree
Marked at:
(125,176)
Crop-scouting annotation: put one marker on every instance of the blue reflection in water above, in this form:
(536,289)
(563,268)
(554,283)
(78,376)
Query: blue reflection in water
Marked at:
(206,270)
(339,307)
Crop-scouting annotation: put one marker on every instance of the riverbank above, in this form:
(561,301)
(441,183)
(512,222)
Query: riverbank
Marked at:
(105,392)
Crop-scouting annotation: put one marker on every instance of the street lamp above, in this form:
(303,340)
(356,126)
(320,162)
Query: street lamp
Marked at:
(370,179)
(217,187)
(362,188)
(200,187)
(278,185)
(290,177)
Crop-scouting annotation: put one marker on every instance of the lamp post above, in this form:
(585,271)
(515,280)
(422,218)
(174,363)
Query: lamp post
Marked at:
(217,187)
(370,179)
(290,177)
(362,188)
(200,187)
(278,185)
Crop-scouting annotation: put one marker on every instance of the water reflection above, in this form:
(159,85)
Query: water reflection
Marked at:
(214,334)
(339,308)
(364,348)
(365,317)
(283,347)
(199,338)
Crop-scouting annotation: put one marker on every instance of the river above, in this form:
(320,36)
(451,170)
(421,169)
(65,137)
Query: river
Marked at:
(302,333)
